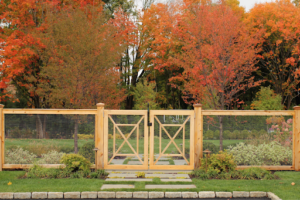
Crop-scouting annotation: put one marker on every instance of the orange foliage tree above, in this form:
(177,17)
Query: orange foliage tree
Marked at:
(279,60)
(218,56)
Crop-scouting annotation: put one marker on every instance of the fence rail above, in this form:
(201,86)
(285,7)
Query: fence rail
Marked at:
(198,114)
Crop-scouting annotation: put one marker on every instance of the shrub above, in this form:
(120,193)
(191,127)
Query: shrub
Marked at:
(110,136)
(244,134)
(39,148)
(19,156)
(216,135)
(252,173)
(53,157)
(221,162)
(210,146)
(226,134)
(263,154)
(209,135)
(99,173)
(75,162)
(140,174)
(85,136)
(87,151)
(236,134)
(67,149)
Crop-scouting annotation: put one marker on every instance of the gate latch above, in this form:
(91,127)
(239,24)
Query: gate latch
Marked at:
(149,123)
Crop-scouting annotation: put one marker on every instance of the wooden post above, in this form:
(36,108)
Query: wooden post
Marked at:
(296,139)
(100,136)
(198,136)
(1,137)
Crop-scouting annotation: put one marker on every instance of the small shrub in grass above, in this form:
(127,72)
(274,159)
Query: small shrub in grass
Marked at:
(256,173)
(53,157)
(87,151)
(140,174)
(75,162)
(19,156)
(221,162)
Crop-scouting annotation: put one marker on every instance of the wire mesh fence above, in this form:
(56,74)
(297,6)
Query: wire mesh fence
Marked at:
(44,139)
(253,140)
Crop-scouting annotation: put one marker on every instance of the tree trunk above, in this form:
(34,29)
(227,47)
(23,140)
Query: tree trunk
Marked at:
(221,132)
(75,135)
(39,127)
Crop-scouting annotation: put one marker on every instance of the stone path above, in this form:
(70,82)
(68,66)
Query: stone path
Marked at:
(168,176)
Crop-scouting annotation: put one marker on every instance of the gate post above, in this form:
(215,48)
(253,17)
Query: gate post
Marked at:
(1,137)
(296,139)
(99,137)
(198,136)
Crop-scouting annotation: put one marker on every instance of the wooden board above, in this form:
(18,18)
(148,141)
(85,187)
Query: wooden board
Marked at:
(296,140)
(1,137)
(52,111)
(248,112)
(268,167)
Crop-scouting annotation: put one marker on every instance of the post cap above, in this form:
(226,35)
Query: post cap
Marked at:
(197,105)
(1,106)
(296,107)
(100,104)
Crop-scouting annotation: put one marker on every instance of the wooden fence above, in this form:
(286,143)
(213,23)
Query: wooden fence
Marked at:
(198,132)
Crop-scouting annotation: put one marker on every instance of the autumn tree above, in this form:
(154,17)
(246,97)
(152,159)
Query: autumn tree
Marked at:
(218,56)
(21,63)
(266,99)
(80,61)
(279,61)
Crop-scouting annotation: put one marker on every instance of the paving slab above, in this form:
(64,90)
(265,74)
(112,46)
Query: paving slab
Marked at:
(258,194)
(89,195)
(6,195)
(180,162)
(72,195)
(124,195)
(189,195)
(118,161)
(170,176)
(175,180)
(140,195)
(240,194)
(39,195)
(134,162)
(129,179)
(163,163)
(156,195)
(170,186)
(55,195)
(106,195)
(224,194)
(22,195)
(115,175)
(116,186)
(207,194)
(172,195)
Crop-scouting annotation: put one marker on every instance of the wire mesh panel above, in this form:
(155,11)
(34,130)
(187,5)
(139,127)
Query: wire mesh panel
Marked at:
(252,140)
(172,140)
(126,140)
(45,138)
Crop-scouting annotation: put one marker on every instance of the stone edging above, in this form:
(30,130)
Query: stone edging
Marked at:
(139,195)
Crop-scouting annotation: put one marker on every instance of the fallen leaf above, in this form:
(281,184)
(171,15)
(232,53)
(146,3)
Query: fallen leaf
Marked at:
(292,183)
(9,183)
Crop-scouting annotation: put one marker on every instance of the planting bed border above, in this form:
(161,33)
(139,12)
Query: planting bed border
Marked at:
(137,195)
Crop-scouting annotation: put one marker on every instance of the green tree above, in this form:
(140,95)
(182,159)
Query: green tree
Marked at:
(266,99)
(143,94)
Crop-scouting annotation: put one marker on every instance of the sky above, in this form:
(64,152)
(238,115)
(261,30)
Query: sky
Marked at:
(248,4)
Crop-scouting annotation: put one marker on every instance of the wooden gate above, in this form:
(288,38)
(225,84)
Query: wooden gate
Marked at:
(113,128)
(159,126)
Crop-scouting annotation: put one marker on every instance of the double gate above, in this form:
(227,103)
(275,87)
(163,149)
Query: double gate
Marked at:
(162,141)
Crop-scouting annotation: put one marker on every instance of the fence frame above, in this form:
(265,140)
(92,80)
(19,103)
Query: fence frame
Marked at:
(198,132)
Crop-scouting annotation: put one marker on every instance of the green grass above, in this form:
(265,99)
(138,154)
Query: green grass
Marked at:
(125,148)
(281,188)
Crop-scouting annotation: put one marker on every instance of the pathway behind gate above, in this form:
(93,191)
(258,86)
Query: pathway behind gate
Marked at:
(168,176)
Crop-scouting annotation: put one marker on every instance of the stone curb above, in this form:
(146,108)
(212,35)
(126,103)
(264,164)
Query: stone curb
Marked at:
(134,195)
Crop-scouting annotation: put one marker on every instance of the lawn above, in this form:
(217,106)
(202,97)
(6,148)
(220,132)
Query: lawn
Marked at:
(125,149)
(281,188)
